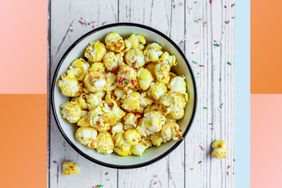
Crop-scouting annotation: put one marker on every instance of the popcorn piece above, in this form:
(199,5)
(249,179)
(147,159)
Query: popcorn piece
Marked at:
(114,42)
(95,51)
(219,150)
(69,168)
(71,111)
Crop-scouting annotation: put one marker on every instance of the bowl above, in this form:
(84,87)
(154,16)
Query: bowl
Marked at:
(76,50)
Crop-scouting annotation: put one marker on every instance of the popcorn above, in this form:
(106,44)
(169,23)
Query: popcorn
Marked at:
(219,150)
(124,98)
(69,168)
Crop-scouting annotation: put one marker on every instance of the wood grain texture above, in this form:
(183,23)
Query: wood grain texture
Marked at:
(204,30)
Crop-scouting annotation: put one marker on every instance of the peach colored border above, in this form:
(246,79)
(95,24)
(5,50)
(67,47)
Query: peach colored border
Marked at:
(23,48)
(266,137)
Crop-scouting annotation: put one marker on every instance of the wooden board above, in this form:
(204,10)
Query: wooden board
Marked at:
(204,30)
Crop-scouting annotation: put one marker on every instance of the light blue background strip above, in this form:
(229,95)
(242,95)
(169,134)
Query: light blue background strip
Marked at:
(242,94)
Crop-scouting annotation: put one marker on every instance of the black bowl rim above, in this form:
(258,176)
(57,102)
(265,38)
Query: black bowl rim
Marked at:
(93,159)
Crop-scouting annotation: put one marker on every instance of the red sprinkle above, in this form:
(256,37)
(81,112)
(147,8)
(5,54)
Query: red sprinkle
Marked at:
(197,42)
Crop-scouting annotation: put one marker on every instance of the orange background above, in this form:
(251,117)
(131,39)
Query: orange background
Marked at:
(266,46)
(23,141)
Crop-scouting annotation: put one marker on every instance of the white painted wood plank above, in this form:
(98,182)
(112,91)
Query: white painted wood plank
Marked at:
(195,52)
(206,28)
(67,18)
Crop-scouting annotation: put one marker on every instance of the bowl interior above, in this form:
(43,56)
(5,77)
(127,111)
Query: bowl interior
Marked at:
(68,129)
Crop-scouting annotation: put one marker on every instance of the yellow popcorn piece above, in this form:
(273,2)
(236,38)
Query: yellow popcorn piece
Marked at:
(219,149)
(114,112)
(144,78)
(144,100)
(135,41)
(114,42)
(153,107)
(152,122)
(162,71)
(151,67)
(110,81)
(134,58)
(81,100)
(122,148)
(105,143)
(157,90)
(87,136)
(99,119)
(131,102)
(153,52)
(138,149)
(156,139)
(174,102)
(177,84)
(97,68)
(78,69)
(95,51)
(126,77)
(84,120)
(95,79)
(71,111)
(69,168)
(111,61)
(141,146)
(117,128)
(170,59)
(130,120)
(94,99)
(121,61)
(119,93)
(69,86)
(132,136)
(171,131)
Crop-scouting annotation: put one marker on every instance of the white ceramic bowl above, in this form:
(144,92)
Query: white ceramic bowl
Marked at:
(76,50)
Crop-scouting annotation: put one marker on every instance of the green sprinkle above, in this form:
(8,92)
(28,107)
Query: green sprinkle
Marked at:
(126,81)
(205,107)
(229,63)
(197,20)
(194,62)
(195,2)
(191,168)
(173,6)
(99,186)
(216,45)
